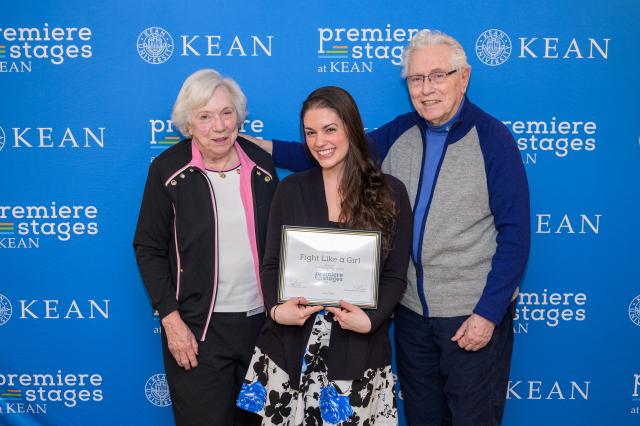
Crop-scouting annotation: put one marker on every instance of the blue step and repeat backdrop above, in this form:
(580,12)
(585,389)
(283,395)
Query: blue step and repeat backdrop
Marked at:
(87,91)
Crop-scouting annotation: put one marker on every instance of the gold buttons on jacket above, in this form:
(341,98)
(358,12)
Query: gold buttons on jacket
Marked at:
(182,176)
(173,182)
(267,179)
(258,173)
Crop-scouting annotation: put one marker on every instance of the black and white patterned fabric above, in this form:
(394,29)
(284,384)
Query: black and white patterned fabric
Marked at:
(319,401)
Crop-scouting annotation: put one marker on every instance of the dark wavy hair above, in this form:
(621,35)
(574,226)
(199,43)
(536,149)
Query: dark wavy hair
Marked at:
(366,196)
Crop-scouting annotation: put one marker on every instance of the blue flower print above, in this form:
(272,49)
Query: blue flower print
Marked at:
(334,408)
(252,397)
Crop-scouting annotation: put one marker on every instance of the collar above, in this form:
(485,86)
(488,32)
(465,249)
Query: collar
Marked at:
(198,161)
(463,121)
(444,128)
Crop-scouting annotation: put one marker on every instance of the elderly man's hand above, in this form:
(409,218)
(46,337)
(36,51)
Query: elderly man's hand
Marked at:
(474,333)
(265,145)
(181,341)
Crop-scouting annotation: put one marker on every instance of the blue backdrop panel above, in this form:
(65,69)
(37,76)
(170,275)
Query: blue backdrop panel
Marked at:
(87,92)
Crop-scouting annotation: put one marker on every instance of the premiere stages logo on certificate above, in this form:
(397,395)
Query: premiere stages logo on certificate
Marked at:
(326,265)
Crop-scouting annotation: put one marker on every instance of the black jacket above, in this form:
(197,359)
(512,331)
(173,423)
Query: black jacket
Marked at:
(176,242)
(300,201)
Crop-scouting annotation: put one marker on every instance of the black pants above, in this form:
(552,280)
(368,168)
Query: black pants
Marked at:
(443,384)
(206,395)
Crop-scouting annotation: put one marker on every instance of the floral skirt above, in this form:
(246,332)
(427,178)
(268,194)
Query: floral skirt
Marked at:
(266,390)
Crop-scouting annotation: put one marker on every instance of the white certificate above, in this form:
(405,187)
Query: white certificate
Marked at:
(325,265)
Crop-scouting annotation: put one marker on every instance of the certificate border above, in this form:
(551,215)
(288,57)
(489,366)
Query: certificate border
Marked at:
(328,302)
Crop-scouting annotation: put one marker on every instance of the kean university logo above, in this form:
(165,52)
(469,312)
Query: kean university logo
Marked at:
(493,47)
(157,390)
(634,310)
(5,310)
(155,45)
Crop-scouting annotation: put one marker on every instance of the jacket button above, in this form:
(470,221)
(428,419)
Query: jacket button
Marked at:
(267,178)
(174,183)
(181,270)
(191,170)
(258,173)
(182,176)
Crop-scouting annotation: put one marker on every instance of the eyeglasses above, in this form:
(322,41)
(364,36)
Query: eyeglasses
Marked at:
(437,77)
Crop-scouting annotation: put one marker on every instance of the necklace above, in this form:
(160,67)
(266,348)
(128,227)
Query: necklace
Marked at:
(223,175)
(221,172)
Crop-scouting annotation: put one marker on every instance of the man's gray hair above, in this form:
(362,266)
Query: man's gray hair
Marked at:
(431,38)
(196,91)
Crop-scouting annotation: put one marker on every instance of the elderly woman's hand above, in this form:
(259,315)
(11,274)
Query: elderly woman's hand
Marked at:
(181,341)
(294,311)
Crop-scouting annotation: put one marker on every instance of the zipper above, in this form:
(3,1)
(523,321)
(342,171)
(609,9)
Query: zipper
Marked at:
(419,270)
(256,223)
(179,264)
(417,258)
(215,254)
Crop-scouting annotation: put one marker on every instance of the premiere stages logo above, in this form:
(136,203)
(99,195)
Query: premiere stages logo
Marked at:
(635,395)
(494,47)
(562,138)
(21,47)
(356,50)
(25,226)
(155,45)
(32,393)
(548,309)
(156,322)
(163,134)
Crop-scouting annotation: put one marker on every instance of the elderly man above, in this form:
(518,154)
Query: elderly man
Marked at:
(469,191)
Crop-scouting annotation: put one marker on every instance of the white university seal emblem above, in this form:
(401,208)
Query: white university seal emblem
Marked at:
(157,390)
(493,47)
(5,310)
(2,138)
(634,310)
(155,45)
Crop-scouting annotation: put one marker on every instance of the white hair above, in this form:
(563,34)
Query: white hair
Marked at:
(431,38)
(196,91)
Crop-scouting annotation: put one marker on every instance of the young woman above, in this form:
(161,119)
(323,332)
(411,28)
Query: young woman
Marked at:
(313,365)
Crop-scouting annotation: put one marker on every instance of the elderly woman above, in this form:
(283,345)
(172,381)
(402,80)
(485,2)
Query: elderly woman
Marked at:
(199,243)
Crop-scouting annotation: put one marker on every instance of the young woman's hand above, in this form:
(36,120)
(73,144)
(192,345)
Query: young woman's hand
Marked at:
(351,317)
(294,311)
